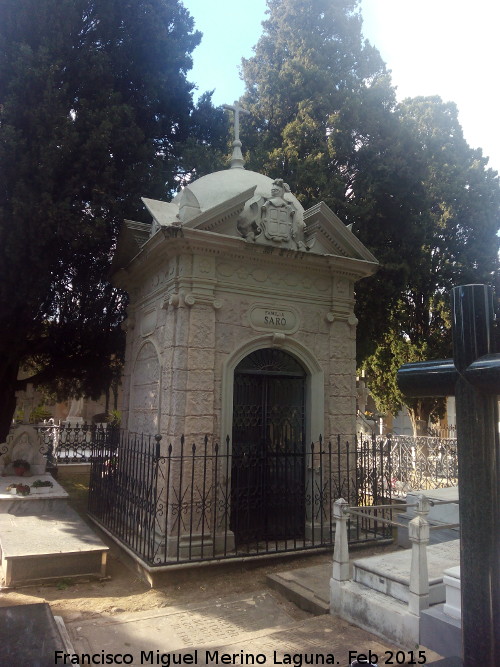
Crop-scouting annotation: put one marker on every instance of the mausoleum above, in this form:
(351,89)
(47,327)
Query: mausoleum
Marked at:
(241,320)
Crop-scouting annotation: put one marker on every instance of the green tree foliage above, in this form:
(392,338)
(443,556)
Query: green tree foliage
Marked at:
(314,88)
(206,149)
(446,203)
(95,109)
(324,117)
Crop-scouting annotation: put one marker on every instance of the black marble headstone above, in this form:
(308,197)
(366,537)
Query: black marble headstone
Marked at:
(473,376)
(29,636)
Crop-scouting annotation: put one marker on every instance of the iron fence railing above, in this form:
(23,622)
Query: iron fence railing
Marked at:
(194,502)
(418,462)
(395,463)
(188,502)
(446,432)
(63,444)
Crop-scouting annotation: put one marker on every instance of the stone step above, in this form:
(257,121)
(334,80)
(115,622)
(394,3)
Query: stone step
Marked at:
(390,573)
(48,546)
(307,587)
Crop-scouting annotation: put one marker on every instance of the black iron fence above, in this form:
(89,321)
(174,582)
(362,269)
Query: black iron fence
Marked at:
(195,502)
(63,444)
(186,502)
(418,462)
(405,463)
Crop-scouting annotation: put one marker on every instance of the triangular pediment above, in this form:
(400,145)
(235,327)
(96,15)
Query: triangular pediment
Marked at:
(222,218)
(328,235)
(132,236)
(317,231)
(163,213)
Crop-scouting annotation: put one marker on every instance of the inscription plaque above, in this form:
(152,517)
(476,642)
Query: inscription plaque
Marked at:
(271,318)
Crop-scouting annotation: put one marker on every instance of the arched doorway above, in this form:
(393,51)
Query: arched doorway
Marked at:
(268,438)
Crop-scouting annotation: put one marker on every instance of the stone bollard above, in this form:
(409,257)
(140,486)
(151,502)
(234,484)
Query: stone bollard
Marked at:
(418,534)
(340,570)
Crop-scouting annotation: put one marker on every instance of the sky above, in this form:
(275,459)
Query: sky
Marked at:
(448,48)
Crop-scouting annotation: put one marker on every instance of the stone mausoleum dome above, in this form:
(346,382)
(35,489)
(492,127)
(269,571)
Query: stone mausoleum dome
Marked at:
(245,205)
(217,188)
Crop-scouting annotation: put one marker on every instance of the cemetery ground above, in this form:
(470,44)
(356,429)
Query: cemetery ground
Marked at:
(231,603)
(123,591)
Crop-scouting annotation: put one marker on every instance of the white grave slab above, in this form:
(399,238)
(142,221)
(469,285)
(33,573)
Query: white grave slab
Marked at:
(453,605)
(34,503)
(49,546)
(390,573)
(444,510)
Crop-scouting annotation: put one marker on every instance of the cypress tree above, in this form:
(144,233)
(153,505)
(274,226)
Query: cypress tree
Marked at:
(95,108)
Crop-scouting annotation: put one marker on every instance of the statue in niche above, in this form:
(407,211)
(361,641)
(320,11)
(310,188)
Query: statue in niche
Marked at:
(276,219)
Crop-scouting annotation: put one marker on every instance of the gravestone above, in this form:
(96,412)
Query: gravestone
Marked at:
(473,376)
(75,414)
(23,443)
(41,537)
(30,635)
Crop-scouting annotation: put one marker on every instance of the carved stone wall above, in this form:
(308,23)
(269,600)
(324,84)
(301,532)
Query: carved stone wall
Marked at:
(200,302)
(193,317)
(145,391)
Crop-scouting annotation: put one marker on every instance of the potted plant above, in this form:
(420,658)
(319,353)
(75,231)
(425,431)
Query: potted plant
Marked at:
(20,467)
(23,490)
(12,489)
(41,486)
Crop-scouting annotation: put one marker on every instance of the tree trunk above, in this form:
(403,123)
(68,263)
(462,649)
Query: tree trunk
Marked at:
(8,381)
(420,414)
(419,426)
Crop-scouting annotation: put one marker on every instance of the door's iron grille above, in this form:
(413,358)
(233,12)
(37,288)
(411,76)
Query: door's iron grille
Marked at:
(268,461)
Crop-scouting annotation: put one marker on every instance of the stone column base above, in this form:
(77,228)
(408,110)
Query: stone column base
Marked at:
(195,547)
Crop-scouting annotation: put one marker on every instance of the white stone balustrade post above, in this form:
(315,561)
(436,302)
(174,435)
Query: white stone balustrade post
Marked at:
(418,534)
(341,550)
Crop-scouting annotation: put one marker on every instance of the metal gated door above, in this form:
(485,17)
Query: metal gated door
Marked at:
(267,469)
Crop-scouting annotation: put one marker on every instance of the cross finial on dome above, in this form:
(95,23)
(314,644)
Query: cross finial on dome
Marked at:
(237,161)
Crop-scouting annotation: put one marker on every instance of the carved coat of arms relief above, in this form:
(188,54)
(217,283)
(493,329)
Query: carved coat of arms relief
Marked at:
(277,217)
(274,219)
